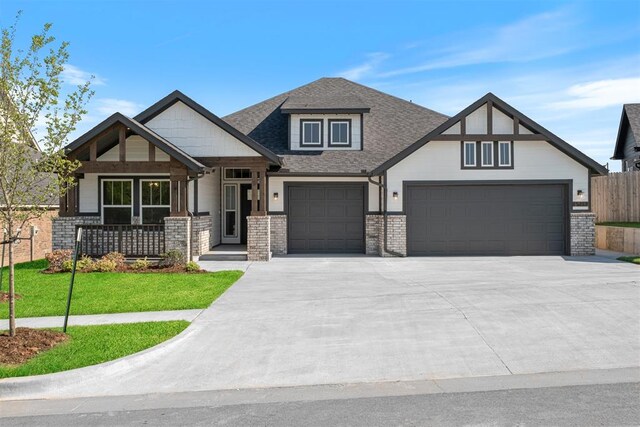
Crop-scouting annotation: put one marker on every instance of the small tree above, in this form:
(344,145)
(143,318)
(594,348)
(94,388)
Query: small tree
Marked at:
(33,169)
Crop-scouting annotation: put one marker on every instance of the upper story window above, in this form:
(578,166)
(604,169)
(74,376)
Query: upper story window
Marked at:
(311,135)
(340,132)
(487,155)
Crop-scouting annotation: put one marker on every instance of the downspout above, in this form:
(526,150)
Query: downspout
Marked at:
(384,214)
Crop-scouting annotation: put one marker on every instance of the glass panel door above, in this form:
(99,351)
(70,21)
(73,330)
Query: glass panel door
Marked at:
(230,218)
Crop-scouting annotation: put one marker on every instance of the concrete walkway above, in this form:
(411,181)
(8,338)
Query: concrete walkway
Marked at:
(310,321)
(104,319)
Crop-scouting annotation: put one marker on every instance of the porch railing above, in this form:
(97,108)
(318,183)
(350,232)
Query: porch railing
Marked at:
(130,240)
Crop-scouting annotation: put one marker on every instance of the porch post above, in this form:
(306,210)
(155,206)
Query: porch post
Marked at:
(263,192)
(254,192)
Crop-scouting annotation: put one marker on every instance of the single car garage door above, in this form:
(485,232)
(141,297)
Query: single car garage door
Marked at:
(325,218)
(486,219)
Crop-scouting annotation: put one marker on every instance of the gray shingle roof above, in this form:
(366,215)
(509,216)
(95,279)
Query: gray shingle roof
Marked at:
(633,115)
(332,101)
(391,125)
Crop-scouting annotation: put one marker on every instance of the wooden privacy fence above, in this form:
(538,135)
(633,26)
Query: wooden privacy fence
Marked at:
(616,197)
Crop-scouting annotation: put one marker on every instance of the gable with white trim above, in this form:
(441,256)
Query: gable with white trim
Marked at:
(197,135)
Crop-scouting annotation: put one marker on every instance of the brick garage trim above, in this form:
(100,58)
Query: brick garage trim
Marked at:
(396,235)
(279,234)
(583,233)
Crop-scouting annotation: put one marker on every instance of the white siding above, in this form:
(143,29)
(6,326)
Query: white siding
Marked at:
(88,193)
(161,156)
(477,121)
(440,161)
(276,185)
(196,135)
(137,150)
(356,133)
(453,130)
(501,122)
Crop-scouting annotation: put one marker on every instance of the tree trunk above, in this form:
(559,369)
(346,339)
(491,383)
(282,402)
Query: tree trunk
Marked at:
(12,292)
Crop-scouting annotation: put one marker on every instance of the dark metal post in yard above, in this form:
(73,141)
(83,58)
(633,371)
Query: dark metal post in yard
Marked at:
(2,266)
(73,276)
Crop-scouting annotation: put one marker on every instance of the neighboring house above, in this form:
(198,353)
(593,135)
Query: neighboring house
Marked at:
(628,142)
(329,167)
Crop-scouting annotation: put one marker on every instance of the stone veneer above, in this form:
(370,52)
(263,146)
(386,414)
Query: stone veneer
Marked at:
(279,234)
(583,233)
(259,238)
(200,234)
(177,234)
(396,235)
(63,230)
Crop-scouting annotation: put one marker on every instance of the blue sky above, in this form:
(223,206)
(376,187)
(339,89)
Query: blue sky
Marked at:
(568,65)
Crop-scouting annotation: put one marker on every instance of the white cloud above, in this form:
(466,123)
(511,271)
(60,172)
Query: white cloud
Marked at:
(108,106)
(600,94)
(76,76)
(366,68)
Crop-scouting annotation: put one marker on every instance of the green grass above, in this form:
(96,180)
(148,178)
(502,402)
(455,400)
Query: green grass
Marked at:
(632,259)
(90,345)
(98,293)
(621,224)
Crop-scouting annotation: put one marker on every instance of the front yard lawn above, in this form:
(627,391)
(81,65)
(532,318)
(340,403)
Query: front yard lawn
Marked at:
(90,345)
(621,224)
(99,293)
(632,259)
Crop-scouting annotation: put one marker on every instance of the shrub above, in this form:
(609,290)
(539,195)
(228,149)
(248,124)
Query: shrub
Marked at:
(116,257)
(104,265)
(57,258)
(67,265)
(172,258)
(141,264)
(85,264)
(192,267)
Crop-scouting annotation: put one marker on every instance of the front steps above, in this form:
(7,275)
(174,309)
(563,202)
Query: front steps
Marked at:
(225,253)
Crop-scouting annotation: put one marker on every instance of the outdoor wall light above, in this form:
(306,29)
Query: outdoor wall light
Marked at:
(580,194)
(395,195)
(275,196)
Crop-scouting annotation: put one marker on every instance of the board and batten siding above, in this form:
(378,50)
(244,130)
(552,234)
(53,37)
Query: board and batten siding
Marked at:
(276,185)
(137,150)
(441,161)
(476,123)
(197,135)
(629,150)
(356,133)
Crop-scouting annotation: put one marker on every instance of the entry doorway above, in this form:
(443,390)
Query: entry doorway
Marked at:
(236,208)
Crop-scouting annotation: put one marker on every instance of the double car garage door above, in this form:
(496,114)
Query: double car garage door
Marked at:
(483,219)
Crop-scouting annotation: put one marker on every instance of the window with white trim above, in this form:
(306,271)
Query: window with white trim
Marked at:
(504,153)
(117,207)
(339,132)
(155,200)
(311,133)
(469,153)
(487,153)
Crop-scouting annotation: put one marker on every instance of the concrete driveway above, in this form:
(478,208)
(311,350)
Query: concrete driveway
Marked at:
(303,321)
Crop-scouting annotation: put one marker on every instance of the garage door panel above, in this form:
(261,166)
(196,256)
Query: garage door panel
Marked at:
(326,218)
(486,219)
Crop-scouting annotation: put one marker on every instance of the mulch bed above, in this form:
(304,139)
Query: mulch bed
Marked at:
(26,344)
(4,296)
(151,269)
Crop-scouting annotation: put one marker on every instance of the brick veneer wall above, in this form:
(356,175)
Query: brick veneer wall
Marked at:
(396,235)
(259,238)
(177,234)
(200,234)
(279,234)
(64,230)
(583,233)
(41,241)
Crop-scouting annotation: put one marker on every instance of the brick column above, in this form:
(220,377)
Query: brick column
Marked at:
(200,233)
(583,233)
(177,235)
(279,234)
(396,235)
(63,230)
(259,238)
(373,233)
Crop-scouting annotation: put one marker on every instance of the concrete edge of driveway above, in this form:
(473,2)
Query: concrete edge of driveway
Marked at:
(219,398)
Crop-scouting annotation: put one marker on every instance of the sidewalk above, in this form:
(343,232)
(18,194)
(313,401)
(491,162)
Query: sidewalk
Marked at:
(103,319)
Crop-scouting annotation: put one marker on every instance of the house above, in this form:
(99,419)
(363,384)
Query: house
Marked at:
(330,167)
(628,142)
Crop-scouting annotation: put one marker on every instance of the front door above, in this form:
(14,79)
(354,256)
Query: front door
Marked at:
(245,210)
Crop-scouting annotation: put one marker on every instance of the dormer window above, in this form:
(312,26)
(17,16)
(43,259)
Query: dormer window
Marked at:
(311,135)
(339,133)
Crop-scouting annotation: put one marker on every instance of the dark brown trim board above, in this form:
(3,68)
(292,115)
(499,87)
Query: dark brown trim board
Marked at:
(349,132)
(307,144)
